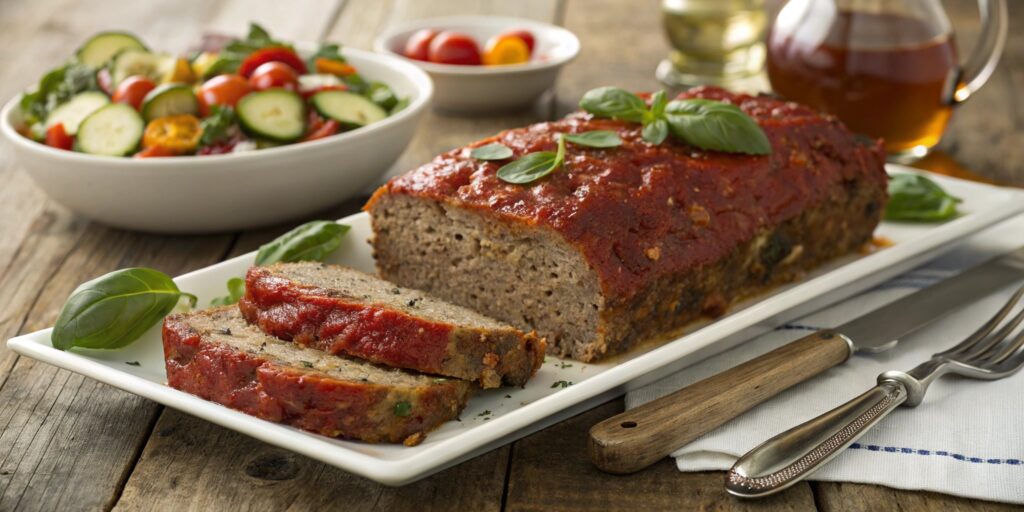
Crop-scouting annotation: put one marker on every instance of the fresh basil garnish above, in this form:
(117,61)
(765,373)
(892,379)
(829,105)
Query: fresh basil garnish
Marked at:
(913,197)
(236,288)
(492,151)
(614,103)
(217,126)
(115,309)
(533,166)
(312,241)
(703,123)
(710,124)
(595,139)
(655,127)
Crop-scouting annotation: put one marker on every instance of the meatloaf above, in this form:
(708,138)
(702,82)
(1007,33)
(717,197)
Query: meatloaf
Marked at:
(343,311)
(216,355)
(633,242)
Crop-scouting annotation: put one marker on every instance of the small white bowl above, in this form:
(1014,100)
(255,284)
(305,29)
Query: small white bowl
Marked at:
(216,193)
(478,89)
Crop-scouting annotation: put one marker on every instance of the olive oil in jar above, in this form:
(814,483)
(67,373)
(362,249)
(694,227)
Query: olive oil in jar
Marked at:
(713,41)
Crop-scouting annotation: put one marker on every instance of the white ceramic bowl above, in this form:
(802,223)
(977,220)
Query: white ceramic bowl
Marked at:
(216,193)
(478,89)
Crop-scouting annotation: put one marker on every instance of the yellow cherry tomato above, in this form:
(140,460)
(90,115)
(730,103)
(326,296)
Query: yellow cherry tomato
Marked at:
(503,50)
(178,134)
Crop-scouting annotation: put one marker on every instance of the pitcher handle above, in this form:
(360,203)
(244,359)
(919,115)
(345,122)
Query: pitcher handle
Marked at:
(982,63)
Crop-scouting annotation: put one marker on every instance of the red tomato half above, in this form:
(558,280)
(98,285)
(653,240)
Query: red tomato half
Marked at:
(57,137)
(326,129)
(523,34)
(133,90)
(260,57)
(223,90)
(454,48)
(274,74)
(418,45)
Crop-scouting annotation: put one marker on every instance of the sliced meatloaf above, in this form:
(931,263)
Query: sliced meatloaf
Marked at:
(216,355)
(632,242)
(343,311)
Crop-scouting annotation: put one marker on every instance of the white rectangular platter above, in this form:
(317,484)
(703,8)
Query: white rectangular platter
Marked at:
(562,387)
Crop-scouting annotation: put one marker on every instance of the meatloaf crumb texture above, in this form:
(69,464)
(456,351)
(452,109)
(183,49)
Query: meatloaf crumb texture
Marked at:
(216,355)
(633,242)
(343,311)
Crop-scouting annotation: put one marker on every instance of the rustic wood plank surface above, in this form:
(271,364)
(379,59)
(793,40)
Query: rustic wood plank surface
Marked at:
(67,442)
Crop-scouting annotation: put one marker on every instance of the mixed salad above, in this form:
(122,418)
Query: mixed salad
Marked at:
(117,97)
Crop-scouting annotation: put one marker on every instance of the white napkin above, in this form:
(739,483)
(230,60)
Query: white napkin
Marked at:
(966,439)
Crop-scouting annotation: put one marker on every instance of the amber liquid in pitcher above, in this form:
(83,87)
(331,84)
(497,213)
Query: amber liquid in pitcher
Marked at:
(890,86)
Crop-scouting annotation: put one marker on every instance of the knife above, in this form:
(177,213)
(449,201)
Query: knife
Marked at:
(642,436)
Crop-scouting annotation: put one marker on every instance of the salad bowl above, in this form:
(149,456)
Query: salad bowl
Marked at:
(218,193)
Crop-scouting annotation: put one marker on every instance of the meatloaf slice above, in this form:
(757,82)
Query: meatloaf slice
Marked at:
(343,311)
(216,355)
(633,242)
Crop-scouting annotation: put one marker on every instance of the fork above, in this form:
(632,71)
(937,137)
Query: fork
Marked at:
(992,352)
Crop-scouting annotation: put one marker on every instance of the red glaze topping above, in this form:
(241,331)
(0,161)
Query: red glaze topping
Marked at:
(339,325)
(638,211)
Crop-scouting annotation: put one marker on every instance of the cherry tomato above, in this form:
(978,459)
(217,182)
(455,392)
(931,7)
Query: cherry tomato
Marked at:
(57,137)
(523,34)
(133,90)
(105,81)
(223,90)
(155,151)
(274,74)
(260,57)
(324,130)
(503,50)
(418,45)
(454,48)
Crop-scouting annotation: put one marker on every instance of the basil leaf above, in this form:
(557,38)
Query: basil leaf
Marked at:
(658,103)
(655,132)
(492,151)
(115,309)
(312,241)
(595,139)
(533,166)
(382,95)
(915,198)
(615,103)
(216,127)
(328,51)
(236,289)
(717,126)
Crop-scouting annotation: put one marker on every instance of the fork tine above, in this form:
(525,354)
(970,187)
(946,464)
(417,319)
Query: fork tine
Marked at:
(984,350)
(1006,349)
(987,328)
(1013,360)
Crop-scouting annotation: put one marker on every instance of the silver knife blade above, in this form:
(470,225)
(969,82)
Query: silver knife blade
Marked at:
(881,328)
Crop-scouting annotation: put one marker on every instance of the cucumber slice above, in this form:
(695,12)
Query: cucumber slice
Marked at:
(113,130)
(347,107)
(275,114)
(76,109)
(102,47)
(156,66)
(169,100)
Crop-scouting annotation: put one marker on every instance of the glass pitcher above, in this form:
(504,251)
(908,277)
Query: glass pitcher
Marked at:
(886,68)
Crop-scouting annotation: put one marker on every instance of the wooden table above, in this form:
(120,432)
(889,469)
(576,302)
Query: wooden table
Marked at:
(69,443)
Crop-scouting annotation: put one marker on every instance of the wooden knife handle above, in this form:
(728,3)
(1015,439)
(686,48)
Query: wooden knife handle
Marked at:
(640,437)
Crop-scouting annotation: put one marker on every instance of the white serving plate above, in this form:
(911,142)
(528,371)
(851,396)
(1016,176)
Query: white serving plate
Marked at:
(514,412)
